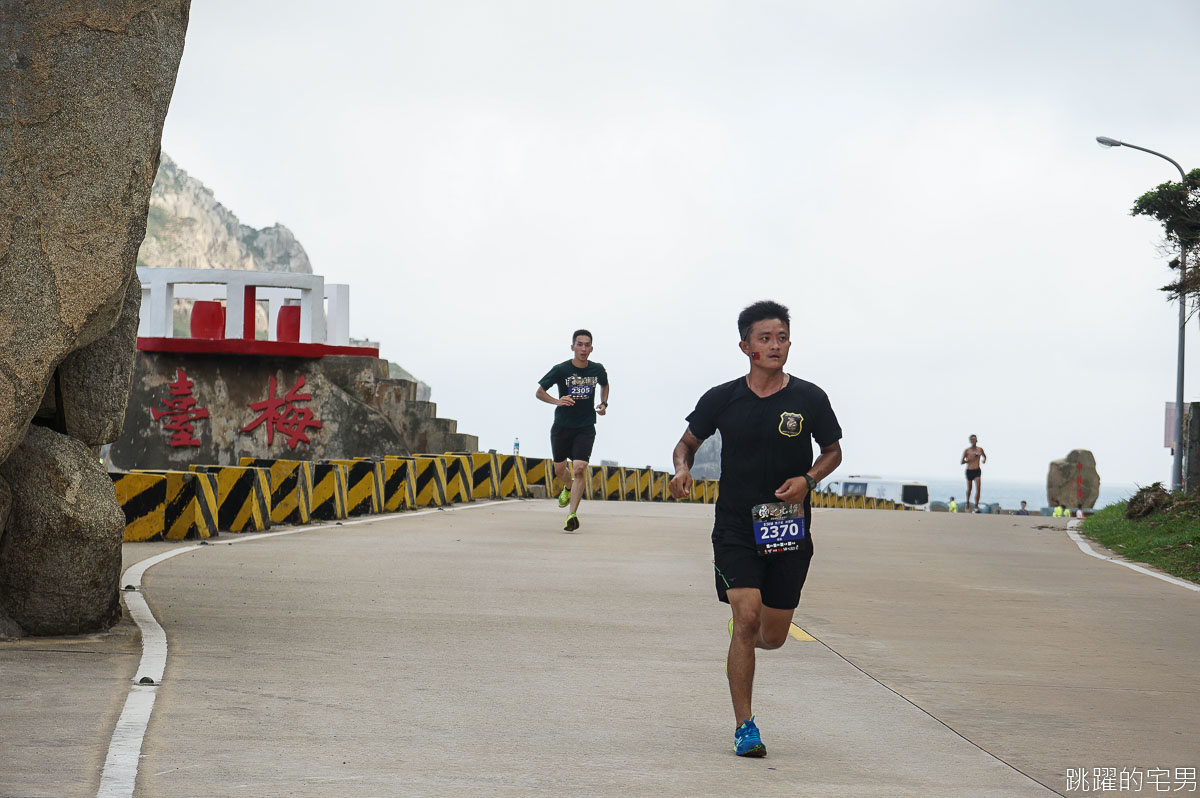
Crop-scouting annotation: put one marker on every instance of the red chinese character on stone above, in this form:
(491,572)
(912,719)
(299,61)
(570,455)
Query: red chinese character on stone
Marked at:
(279,414)
(180,411)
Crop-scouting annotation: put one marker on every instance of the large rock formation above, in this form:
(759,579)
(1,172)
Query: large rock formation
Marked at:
(1073,480)
(86,88)
(188,228)
(61,557)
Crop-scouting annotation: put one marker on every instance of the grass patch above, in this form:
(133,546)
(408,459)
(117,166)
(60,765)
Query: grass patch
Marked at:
(1168,540)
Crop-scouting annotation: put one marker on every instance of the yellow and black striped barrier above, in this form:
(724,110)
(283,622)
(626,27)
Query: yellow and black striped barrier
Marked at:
(629,484)
(645,482)
(364,486)
(291,488)
(399,484)
(521,478)
(485,473)
(830,499)
(175,505)
(430,481)
(143,499)
(459,478)
(596,483)
(513,478)
(614,483)
(659,488)
(539,471)
(191,509)
(243,497)
(329,498)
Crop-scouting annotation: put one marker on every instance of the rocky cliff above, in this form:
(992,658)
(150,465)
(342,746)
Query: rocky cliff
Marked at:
(188,228)
(707,464)
(385,412)
(87,86)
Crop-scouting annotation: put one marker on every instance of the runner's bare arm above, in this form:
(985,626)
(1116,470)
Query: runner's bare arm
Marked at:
(964,457)
(683,457)
(793,490)
(602,408)
(983,454)
(564,401)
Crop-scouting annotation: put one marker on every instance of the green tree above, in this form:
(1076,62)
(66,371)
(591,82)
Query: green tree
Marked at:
(1177,206)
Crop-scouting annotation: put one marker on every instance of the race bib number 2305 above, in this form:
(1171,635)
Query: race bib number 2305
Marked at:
(778,527)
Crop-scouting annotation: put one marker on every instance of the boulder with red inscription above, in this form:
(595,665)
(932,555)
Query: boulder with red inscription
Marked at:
(1073,481)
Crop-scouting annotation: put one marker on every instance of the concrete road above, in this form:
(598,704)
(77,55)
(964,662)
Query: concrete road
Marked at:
(485,651)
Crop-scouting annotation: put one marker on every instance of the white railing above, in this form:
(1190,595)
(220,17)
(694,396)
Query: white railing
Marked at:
(324,308)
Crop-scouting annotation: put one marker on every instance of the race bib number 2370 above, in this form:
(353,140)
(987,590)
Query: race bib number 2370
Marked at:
(778,527)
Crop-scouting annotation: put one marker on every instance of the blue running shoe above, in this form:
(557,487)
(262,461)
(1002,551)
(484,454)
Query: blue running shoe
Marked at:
(746,741)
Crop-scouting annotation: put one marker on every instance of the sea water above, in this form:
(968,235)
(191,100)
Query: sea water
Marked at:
(1009,493)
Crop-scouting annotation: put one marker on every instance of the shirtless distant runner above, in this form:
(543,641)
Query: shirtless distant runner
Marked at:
(971,458)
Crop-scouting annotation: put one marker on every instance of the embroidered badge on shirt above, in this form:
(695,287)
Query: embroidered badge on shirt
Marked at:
(790,424)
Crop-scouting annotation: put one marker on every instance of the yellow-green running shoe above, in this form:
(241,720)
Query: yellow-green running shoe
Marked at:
(564,498)
(572,523)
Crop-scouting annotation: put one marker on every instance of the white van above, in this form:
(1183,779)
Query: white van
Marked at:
(905,491)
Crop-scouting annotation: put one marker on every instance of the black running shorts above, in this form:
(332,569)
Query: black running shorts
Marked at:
(572,443)
(779,577)
(974,473)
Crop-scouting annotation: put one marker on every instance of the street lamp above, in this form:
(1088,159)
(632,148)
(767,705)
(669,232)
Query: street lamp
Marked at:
(1177,462)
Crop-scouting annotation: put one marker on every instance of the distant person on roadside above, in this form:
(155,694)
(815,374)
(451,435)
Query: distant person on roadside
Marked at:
(1059,511)
(953,506)
(971,457)
(574,430)
(1079,512)
(761,536)
(1022,511)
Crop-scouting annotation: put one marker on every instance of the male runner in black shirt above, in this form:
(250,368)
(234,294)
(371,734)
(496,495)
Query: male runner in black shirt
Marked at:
(574,430)
(762,540)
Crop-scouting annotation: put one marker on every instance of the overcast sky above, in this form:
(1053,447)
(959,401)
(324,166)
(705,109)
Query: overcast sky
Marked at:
(917,180)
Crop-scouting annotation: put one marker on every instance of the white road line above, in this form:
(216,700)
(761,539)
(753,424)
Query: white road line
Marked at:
(1086,549)
(121,764)
(119,776)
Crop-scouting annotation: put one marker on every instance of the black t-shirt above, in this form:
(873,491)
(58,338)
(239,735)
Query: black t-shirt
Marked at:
(764,442)
(580,384)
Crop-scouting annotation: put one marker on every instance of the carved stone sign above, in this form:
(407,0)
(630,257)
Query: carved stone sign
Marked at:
(1073,481)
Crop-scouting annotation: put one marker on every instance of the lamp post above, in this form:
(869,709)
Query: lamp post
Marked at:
(1177,462)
